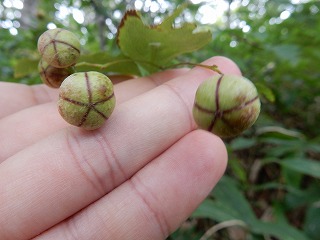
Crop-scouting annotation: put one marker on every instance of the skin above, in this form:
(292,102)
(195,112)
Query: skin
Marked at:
(138,177)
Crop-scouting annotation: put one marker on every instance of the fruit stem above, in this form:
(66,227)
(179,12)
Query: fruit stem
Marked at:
(101,66)
(106,65)
(213,67)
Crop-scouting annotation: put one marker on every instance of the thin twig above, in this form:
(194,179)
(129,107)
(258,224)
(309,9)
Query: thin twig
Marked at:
(101,66)
(106,65)
(211,67)
(211,231)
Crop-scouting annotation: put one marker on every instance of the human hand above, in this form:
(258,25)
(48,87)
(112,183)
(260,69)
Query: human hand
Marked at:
(138,177)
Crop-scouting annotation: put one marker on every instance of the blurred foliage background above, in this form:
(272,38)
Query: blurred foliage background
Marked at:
(271,189)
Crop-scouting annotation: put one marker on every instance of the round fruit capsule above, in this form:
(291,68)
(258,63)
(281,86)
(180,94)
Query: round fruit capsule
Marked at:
(60,48)
(86,99)
(226,105)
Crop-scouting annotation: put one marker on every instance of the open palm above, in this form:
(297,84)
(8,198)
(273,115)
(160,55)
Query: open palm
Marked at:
(137,177)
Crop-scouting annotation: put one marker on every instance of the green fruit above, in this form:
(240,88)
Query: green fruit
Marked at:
(226,105)
(52,76)
(59,47)
(86,99)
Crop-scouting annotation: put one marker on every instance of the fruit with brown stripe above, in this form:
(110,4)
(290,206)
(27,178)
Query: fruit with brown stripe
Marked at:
(226,105)
(86,99)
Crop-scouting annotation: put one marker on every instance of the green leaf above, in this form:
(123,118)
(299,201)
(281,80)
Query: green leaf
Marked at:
(104,62)
(313,146)
(25,67)
(168,22)
(154,46)
(287,52)
(279,132)
(238,169)
(143,70)
(230,204)
(221,212)
(312,222)
(281,231)
(241,143)
(291,177)
(228,193)
(266,92)
(215,210)
(296,198)
(305,166)
(279,227)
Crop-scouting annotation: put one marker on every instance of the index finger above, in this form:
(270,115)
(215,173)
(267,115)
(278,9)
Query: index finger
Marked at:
(27,126)
(15,97)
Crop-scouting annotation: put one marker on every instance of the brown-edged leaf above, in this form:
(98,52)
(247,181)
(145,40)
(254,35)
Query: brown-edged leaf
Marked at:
(155,46)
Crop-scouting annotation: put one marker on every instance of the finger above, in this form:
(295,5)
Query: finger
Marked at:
(129,89)
(25,127)
(156,200)
(65,172)
(15,97)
